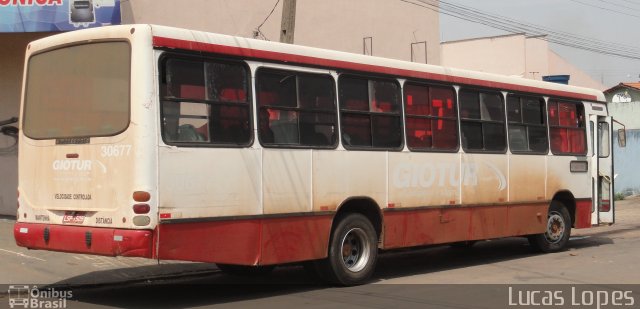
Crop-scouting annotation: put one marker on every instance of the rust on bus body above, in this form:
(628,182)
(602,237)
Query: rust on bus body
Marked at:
(261,241)
(429,225)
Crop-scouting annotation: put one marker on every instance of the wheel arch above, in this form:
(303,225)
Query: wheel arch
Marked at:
(568,200)
(363,205)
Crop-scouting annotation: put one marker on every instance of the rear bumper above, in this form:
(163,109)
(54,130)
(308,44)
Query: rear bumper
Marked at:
(81,239)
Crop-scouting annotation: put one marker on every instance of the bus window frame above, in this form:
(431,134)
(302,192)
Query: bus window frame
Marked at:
(501,93)
(296,71)
(430,84)
(368,78)
(545,113)
(584,128)
(186,56)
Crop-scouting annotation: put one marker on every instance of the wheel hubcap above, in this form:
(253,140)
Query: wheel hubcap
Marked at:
(355,250)
(555,228)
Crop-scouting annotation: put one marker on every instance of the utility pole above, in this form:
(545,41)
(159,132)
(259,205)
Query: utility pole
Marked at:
(288,25)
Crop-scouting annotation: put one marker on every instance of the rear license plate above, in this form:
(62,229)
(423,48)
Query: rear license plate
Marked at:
(74,217)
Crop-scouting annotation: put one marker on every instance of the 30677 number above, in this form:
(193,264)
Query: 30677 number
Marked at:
(115,150)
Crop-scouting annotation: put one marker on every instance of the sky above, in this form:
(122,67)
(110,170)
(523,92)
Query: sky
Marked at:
(592,19)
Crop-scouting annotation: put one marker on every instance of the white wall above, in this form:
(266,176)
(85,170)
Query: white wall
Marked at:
(626,113)
(502,55)
(537,64)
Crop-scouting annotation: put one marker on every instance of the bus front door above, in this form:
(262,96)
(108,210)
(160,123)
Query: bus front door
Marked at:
(602,171)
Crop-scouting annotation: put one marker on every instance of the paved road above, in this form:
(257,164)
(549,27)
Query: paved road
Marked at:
(597,258)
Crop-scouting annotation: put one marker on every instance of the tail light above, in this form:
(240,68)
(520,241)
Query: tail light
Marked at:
(141,208)
(141,196)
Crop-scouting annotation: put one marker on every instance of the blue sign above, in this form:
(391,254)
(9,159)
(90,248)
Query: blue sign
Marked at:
(57,15)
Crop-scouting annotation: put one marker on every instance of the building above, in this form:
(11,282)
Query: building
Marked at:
(390,29)
(514,55)
(624,106)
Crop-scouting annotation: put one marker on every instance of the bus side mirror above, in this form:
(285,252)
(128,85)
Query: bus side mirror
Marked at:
(622,138)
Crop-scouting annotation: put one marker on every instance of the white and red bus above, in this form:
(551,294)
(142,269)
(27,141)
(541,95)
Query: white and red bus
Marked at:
(172,144)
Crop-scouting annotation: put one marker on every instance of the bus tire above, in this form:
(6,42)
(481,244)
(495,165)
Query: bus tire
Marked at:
(353,252)
(243,270)
(558,230)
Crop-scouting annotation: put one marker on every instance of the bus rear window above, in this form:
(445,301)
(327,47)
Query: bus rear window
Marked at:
(78,91)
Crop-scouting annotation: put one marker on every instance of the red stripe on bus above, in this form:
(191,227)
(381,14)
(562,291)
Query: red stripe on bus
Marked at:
(265,241)
(338,64)
(443,225)
(583,214)
(103,241)
(247,242)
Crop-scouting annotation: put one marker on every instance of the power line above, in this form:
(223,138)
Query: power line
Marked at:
(632,2)
(620,5)
(605,9)
(513,26)
(532,29)
(265,20)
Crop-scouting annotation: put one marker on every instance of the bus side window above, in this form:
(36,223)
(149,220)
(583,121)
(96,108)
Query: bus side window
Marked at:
(567,128)
(205,102)
(370,113)
(184,79)
(296,109)
(184,82)
(527,124)
(227,88)
(482,121)
(431,117)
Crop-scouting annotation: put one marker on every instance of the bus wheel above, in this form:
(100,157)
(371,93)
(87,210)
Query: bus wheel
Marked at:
(353,251)
(242,270)
(558,231)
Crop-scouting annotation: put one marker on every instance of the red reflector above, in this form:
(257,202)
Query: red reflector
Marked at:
(141,196)
(391,205)
(141,208)
(73,156)
(165,216)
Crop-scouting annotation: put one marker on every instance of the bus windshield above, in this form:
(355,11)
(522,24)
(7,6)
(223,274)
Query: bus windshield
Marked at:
(78,91)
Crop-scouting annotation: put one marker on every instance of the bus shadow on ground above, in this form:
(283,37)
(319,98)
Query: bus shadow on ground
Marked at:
(198,284)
